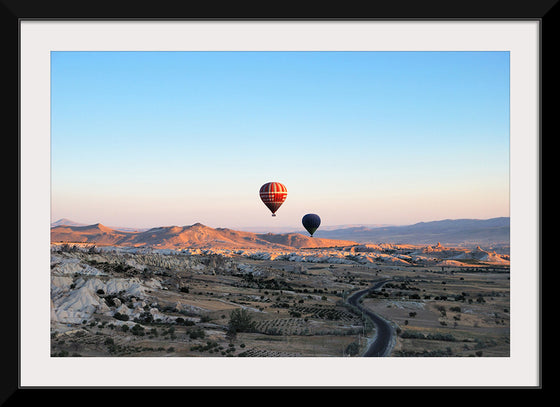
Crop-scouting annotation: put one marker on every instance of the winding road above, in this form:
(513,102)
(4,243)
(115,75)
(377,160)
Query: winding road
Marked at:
(382,344)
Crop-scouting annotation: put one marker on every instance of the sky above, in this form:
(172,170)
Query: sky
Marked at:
(147,139)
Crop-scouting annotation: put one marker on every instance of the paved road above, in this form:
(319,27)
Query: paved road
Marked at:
(381,346)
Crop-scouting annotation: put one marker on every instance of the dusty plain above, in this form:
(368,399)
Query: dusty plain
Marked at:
(115,302)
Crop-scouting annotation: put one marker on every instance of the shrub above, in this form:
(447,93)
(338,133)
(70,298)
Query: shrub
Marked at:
(120,317)
(197,333)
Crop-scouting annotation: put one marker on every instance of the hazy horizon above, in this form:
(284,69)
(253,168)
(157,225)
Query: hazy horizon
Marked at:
(145,139)
(259,228)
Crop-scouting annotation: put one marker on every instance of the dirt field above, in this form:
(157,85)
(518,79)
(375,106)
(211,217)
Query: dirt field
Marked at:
(447,314)
(295,309)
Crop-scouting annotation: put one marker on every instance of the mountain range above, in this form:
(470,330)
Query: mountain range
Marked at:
(449,231)
(193,236)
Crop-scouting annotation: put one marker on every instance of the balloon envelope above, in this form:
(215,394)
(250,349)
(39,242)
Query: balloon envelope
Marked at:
(273,195)
(311,222)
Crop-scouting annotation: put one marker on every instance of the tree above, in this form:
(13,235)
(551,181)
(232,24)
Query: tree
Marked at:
(240,321)
(353,349)
(138,330)
(121,317)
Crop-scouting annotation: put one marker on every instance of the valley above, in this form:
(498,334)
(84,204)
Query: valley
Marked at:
(109,300)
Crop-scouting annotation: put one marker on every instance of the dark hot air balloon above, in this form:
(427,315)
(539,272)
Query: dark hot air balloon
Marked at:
(311,222)
(273,195)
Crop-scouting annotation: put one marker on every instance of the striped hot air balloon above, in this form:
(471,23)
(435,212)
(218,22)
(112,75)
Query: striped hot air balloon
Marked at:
(273,195)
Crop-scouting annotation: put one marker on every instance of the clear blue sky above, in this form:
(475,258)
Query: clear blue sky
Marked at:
(147,139)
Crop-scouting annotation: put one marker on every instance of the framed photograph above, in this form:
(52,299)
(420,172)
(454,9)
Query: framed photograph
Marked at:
(439,118)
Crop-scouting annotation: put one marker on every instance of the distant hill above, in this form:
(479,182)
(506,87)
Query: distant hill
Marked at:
(449,231)
(66,222)
(193,236)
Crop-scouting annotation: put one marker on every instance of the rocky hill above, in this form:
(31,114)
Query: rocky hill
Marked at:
(193,236)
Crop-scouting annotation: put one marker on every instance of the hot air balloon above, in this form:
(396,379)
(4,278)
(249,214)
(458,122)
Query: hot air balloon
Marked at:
(273,194)
(311,222)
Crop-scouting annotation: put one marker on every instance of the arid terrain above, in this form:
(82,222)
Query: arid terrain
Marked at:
(199,292)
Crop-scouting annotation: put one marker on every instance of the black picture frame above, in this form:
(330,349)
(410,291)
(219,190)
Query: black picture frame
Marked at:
(14,11)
